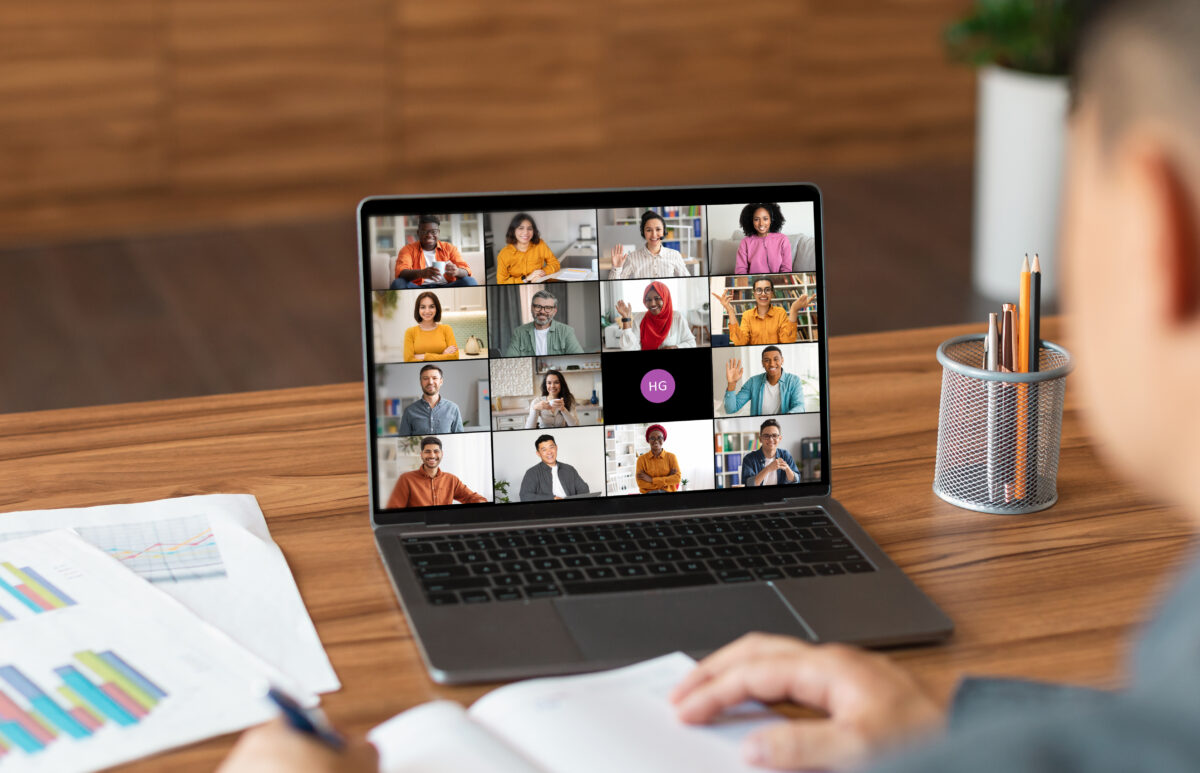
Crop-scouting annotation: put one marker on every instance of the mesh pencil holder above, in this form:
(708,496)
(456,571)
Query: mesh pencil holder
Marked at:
(998,433)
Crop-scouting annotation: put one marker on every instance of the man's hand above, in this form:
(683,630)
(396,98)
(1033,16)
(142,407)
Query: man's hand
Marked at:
(451,272)
(871,703)
(618,255)
(275,748)
(733,374)
(430,272)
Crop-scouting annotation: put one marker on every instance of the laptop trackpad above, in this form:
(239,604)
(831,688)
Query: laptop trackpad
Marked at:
(697,621)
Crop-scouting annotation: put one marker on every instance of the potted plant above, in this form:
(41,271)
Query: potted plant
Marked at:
(1022,49)
(501,488)
(384,304)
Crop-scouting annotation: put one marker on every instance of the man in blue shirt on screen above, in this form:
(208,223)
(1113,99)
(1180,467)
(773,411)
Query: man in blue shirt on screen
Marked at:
(773,391)
(769,465)
(432,414)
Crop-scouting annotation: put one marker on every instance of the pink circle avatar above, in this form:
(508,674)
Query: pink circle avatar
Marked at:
(658,385)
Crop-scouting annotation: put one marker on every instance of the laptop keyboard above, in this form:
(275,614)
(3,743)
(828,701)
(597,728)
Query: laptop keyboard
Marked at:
(532,563)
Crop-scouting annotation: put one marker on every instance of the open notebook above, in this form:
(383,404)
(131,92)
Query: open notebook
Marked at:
(614,720)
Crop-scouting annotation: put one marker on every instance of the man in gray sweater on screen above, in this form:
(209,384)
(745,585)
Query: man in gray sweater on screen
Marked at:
(1131,235)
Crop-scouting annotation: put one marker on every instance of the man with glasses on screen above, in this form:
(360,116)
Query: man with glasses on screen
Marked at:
(543,335)
(428,262)
(769,465)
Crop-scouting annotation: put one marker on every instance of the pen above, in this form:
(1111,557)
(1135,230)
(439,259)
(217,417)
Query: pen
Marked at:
(310,722)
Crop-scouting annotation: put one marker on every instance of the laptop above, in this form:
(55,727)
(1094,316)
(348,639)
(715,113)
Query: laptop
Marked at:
(575,475)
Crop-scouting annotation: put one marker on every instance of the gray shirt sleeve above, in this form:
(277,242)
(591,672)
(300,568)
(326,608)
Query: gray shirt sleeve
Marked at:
(1107,734)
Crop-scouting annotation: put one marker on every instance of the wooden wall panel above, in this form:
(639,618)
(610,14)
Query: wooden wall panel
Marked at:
(274,93)
(80,100)
(197,113)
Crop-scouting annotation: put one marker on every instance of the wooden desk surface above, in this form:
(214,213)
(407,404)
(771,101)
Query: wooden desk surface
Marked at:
(1050,596)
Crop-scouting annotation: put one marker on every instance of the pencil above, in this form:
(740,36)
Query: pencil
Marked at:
(1035,315)
(1035,356)
(992,363)
(1022,322)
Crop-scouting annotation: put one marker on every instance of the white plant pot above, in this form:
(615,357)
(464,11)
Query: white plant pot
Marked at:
(1021,133)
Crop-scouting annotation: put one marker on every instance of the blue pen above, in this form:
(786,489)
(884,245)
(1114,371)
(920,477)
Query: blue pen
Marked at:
(310,722)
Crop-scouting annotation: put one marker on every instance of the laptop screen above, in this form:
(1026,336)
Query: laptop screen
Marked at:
(552,354)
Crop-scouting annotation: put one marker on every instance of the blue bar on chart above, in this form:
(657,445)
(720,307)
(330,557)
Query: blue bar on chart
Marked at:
(94,696)
(53,589)
(19,596)
(43,704)
(132,674)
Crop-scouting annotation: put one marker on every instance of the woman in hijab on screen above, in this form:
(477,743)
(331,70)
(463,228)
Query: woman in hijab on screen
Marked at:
(658,327)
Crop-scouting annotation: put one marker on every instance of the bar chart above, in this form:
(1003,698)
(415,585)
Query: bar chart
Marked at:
(97,689)
(28,591)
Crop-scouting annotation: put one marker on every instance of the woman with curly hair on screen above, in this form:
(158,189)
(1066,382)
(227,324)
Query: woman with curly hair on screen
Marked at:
(525,258)
(764,250)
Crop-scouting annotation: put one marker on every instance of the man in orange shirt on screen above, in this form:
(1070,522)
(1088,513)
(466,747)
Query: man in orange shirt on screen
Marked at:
(428,486)
(415,263)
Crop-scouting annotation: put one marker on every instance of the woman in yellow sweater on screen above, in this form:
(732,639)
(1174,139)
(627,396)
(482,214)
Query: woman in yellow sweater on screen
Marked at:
(526,258)
(764,323)
(429,339)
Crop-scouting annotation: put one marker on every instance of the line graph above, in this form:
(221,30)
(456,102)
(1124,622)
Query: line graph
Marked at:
(168,550)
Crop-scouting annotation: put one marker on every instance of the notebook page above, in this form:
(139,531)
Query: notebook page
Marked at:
(617,720)
(439,736)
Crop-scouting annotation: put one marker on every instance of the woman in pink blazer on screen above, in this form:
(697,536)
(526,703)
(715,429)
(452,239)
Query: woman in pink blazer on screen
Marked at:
(764,250)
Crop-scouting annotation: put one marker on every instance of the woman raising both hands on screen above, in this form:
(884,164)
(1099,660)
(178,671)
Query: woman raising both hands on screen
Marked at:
(766,323)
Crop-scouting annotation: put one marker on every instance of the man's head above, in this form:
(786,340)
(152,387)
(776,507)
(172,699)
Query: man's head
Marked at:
(1131,237)
(769,434)
(431,453)
(428,228)
(656,435)
(543,306)
(772,362)
(547,449)
(431,380)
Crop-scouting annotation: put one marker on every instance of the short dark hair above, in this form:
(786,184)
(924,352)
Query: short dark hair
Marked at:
(437,317)
(746,221)
(1110,59)
(649,215)
(430,367)
(428,219)
(771,348)
(430,441)
(770,423)
(510,235)
(537,444)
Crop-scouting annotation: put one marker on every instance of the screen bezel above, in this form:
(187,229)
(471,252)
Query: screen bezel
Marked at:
(631,505)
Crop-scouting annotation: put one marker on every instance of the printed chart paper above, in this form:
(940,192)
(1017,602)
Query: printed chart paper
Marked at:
(98,667)
(215,555)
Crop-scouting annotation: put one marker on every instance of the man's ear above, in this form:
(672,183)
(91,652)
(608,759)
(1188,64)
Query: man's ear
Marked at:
(1169,205)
